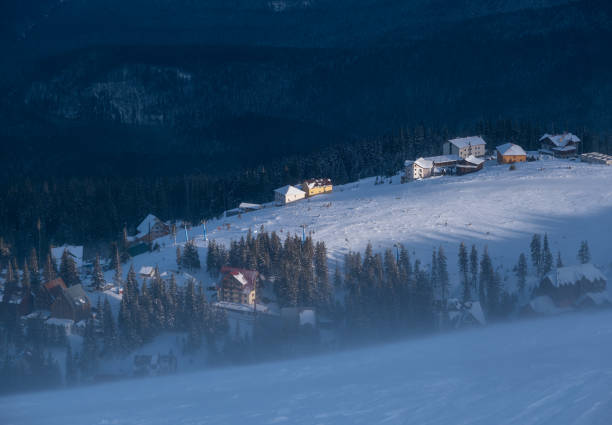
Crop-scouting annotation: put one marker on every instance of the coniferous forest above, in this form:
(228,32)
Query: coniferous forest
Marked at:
(39,211)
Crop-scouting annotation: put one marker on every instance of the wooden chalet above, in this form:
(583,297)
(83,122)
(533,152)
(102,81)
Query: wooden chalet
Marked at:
(237,286)
(72,304)
(151,228)
(566,285)
(560,145)
(509,153)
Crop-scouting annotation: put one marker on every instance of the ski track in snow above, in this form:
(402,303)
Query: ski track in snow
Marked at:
(551,371)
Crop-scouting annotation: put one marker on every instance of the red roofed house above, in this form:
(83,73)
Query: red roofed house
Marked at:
(237,285)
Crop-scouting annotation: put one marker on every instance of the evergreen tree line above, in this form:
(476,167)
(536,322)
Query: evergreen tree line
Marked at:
(298,268)
(37,212)
(153,307)
(542,259)
(390,291)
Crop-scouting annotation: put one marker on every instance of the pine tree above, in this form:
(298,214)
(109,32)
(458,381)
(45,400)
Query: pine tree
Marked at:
(521,273)
(191,259)
(536,254)
(474,267)
(179,260)
(49,269)
(109,330)
(486,277)
(97,279)
(463,271)
(443,276)
(10,281)
(26,283)
(171,306)
(34,270)
(70,369)
(68,270)
(559,261)
(116,263)
(89,352)
(547,257)
(324,290)
(125,245)
(584,254)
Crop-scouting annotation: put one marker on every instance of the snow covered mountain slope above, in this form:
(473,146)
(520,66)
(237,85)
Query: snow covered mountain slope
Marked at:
(552,371)
(499,208)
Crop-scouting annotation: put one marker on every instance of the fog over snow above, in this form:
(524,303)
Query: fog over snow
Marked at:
(550,371)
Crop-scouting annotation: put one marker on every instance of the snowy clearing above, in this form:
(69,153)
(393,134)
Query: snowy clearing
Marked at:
(502,209)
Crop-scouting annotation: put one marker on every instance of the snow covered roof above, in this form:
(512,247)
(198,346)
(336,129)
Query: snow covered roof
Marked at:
(307,317)
(312,183)
(565,149)
(59,322)
(245,277)
(247,206)
(146,270)
(510,149)
(75,251)
(561,140)
(77,295)
(148,222)
(571,274)
(424,163)
(289,190)
(462,142)
(440,159)
(474,160)
(242,307)
(597,298)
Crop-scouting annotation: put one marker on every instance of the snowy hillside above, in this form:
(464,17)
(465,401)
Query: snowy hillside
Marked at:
(524,373)
(502,209)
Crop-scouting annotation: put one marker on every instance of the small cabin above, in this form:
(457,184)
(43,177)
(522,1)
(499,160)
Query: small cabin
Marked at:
(151,228)
(510,153)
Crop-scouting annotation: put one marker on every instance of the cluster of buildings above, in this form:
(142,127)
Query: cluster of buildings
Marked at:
(467,155)
(460,156)
(308,188)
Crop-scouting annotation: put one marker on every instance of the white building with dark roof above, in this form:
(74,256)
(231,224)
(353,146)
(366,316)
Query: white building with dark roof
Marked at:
(465,146)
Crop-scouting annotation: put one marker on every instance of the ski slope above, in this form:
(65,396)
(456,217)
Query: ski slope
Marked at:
(499,208)
(553,371)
